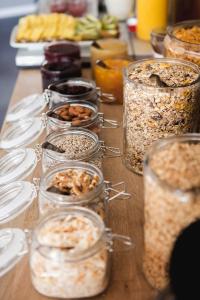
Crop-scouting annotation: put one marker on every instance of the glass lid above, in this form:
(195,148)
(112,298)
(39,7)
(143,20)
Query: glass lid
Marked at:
(13,246)
(26,107)
(22,133)
(17,165)
(15,198)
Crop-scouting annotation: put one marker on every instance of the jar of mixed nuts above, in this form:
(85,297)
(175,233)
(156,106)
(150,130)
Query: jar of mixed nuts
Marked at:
(77,113)
(75,144)
(79,184)
(172,200)
(161,98)
(70,253)
(183,41)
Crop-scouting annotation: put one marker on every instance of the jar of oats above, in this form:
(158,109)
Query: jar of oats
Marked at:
(172,200)
(70,253)
(76,114)
(183,41)
(161,98)
(79,184)
(75,145)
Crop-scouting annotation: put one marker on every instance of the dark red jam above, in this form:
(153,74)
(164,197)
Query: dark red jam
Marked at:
(74,89)
(61,51)
(55,72)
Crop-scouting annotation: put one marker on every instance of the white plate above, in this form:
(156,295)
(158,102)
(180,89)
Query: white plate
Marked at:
(38,45)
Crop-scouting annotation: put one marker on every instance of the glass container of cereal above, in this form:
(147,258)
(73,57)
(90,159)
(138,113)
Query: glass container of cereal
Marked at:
(75,144)
(183,41)
(172,200)
(70,253)
(161,98)
(79,184)
(77,114)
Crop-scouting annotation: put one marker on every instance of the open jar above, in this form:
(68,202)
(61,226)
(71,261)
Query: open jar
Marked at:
(75,89)
(109,76)
(78,184)
(161,98)
(63,261)
(107,48)
(75,144)
(183,41)
(172,200)
(77,114)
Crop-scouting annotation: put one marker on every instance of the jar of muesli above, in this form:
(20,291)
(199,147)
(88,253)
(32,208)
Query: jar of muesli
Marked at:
(73,145)
(76,114)
(161,98)
(183,41)
(172,200)
(69,256)
(79,184)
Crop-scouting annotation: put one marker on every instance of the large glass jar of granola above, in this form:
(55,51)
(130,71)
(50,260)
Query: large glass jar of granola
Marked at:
(79,184)
(183,41)
(172,200)
(75,145)
(161,98)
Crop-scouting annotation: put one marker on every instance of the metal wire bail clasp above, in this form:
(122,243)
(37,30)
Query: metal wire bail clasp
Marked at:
(46,96)
(107,123)
(117,191)
(127,242)
(38,151)
(105,97)
(110,152)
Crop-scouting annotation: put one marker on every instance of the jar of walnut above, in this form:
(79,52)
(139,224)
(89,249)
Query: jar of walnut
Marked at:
(161,98)
(183,41)
(75,183)
(172,200)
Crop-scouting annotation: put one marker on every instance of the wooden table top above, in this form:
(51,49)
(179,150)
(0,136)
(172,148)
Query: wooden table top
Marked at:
(126,217)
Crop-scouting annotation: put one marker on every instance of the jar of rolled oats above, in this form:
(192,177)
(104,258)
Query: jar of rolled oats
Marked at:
(76,114)
(69,256)
(79,184)
(183,41)
(172,200)
(161,98)
(75,144)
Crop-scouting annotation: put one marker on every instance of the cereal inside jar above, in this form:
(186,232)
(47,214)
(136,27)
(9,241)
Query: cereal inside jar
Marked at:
(172,200)
(73,144)
(161,98)
(68,257)
(76,183)
(183,41)
(74,114)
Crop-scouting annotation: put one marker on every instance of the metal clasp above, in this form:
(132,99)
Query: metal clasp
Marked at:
(107,123)
(127,242)
(105,97)
(46,96)
(38,151)
(115,193)
(36,182)
(115,152)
